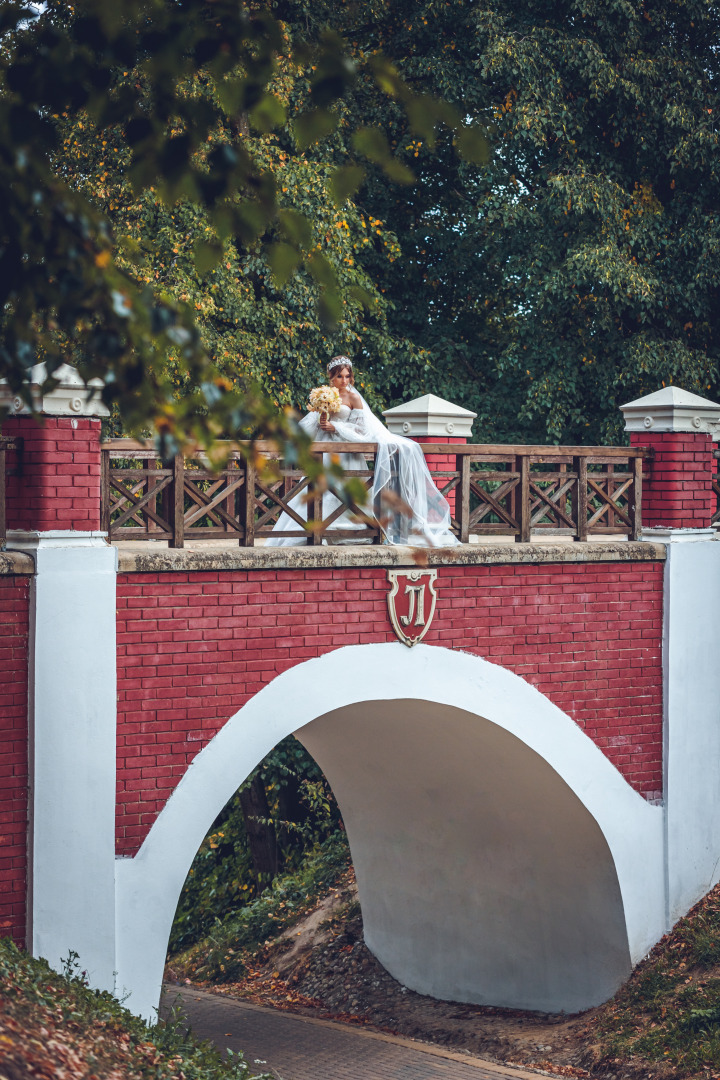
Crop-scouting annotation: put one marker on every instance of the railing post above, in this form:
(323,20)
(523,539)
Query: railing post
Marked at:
(463,465)
(247,504)
(105,490)
(150,525)
(315,513)
(580,467)
(177,519)
(525,527)
(636,508)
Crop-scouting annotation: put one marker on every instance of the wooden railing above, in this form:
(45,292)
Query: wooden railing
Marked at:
(6,443)
(518,491)
(574,491)
(144,499)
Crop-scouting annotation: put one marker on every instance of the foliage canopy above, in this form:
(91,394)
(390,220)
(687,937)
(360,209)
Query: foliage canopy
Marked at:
(579,269)
(184,87)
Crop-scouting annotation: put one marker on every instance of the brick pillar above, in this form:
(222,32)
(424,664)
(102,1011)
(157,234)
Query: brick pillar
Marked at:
(680,428)
(54,481)
(432,419)
(54,514)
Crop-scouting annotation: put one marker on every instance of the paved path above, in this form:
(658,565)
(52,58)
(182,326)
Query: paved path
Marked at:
(300,1048)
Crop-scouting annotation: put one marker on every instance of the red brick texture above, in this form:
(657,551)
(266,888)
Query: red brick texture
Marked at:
(194,647)
(13,754)
(59,483)
(678,493)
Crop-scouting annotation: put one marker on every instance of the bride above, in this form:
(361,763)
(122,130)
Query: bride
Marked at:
(405,499)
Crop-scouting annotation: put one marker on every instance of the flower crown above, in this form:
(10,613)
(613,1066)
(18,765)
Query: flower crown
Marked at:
(339,361)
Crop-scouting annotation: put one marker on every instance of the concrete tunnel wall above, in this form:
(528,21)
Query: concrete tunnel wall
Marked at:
(482,877)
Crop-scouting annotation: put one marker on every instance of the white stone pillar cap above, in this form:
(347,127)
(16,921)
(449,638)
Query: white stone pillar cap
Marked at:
(673,409)
(430,417)
(70,397)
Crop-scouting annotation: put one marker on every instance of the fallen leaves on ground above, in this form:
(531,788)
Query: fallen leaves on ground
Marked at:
(55,1028)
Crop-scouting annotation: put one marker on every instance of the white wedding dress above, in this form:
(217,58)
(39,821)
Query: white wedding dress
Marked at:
(405,498)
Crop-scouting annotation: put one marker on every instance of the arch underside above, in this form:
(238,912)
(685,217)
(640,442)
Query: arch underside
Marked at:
(501,859)
(482,877)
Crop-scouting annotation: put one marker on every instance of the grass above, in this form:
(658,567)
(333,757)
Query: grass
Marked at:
(668,1013)
(54,1025)
(221,956)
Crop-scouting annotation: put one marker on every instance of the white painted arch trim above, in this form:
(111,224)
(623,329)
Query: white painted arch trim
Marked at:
(148,886)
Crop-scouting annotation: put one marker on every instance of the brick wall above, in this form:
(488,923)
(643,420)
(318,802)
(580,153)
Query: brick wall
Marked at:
(59,485)
(678,493)
(194,647)
(13,754)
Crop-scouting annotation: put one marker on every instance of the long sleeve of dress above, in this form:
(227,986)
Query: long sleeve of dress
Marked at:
(353,429)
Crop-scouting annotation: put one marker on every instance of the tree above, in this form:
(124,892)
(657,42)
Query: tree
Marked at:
(127,65)
(256,329)
(579,270)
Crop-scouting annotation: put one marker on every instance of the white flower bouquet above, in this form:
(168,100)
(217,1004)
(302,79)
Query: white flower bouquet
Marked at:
(324,399)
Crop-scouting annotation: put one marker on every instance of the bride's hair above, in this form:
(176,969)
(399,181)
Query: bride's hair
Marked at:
(339,362)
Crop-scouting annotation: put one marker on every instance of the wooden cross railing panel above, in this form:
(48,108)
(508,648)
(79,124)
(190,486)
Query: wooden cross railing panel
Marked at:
(518,491)
(570,491)
(142,499)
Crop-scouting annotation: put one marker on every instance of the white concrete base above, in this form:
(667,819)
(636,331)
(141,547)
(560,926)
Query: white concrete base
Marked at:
(31,540)
(661,535)
(465,792)
(691,658)
(72,710)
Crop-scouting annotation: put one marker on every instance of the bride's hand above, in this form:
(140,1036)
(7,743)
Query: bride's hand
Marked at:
(325,425)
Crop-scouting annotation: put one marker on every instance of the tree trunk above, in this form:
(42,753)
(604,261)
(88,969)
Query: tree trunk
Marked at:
(291,808)
(260,831)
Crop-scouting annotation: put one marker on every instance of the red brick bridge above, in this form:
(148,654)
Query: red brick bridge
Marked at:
(530,792)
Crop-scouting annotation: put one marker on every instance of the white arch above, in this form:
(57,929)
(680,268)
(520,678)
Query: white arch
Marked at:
(148,886)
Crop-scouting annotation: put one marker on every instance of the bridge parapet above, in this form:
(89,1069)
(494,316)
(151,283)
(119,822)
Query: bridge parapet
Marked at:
(67,481)
(498,490)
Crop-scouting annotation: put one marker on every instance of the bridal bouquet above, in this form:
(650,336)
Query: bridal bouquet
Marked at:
(324,399)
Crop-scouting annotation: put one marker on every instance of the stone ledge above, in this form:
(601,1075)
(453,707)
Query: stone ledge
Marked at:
(132,560)
(16,562)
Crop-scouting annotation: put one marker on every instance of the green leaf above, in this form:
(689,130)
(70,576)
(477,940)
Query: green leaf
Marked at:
(231,95)
(473,145)
(387,76)
(321,269)
(330,306)
(345,181)
(398,171)
(296,227)
(283,261)
(207,254)
(269,113)
(373,144)
(311,126)
(362,296)
(425,113)
(250,221)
